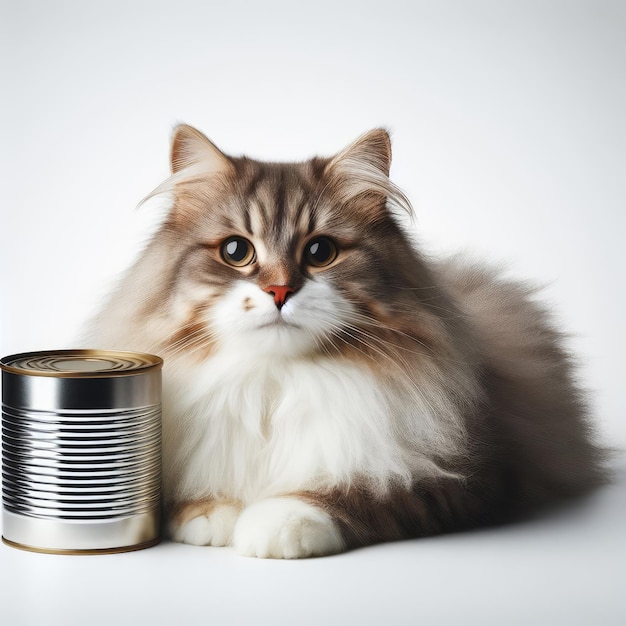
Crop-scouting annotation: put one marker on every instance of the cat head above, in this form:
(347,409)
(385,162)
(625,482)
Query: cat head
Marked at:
(281,259)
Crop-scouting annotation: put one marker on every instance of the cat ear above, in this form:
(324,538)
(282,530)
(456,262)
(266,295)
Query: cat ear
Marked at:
(360,175)
(370,151)
(191,147)
(192,155)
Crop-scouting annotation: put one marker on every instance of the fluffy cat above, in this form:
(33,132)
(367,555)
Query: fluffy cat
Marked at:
(325,387)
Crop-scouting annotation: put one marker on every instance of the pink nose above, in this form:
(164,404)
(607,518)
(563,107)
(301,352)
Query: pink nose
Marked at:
(280,293)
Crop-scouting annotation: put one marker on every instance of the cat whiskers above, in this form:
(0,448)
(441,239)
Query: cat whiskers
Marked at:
(396,361)
(191,342)
(366,321)
(322,343)
(432,353)
(343,327)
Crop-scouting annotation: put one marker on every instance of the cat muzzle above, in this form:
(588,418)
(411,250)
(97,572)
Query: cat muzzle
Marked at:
(280,293)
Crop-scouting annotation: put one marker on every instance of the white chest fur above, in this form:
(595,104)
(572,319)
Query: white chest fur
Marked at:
(276,426)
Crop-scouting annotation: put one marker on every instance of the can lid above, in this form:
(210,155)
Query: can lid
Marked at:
(80,363)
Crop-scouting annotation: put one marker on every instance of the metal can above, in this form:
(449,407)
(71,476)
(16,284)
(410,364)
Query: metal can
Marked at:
(81,451)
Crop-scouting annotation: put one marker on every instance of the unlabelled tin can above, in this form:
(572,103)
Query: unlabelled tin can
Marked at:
(81,451)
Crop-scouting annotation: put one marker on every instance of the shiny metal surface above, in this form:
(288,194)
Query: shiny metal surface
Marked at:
(112,535)
(81,450)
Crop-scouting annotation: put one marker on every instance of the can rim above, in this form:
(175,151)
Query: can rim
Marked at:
(151,363)
(82,551)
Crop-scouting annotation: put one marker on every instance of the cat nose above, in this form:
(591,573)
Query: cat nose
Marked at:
(280,293)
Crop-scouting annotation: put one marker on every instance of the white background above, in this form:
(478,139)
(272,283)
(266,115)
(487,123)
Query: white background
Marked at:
(509,136)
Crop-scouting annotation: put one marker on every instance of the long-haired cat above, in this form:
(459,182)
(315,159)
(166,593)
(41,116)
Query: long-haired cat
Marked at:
(325,386)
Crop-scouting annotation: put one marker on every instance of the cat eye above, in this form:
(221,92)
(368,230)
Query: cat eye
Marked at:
(320,251)
(237,251)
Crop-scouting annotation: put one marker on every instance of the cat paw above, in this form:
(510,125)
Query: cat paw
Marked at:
(286,528)
(205,523)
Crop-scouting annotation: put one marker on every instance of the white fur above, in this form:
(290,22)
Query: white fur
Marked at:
(263,417)
(256,403)
(286,528)
(275,427)
(213,529)
(295,330)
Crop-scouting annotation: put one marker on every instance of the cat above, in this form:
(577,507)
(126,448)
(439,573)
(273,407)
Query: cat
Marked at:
(326,386)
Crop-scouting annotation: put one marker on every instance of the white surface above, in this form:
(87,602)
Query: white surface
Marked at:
(509,137)
(562,570)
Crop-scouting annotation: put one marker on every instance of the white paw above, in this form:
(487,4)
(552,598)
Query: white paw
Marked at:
(215,528)
(286,528)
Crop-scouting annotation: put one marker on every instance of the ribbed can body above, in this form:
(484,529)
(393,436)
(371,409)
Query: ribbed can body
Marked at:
(81,450)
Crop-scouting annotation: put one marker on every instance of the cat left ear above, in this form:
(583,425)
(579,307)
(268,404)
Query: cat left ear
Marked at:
(370,151)
(361,171)
(191,147)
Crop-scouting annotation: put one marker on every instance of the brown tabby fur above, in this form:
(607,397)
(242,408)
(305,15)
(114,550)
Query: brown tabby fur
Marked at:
(512,427)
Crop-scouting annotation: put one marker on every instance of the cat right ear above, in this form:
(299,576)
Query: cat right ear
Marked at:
(192,155)
(191,147)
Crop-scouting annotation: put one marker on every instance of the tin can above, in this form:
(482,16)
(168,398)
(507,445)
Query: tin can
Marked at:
(81,451)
